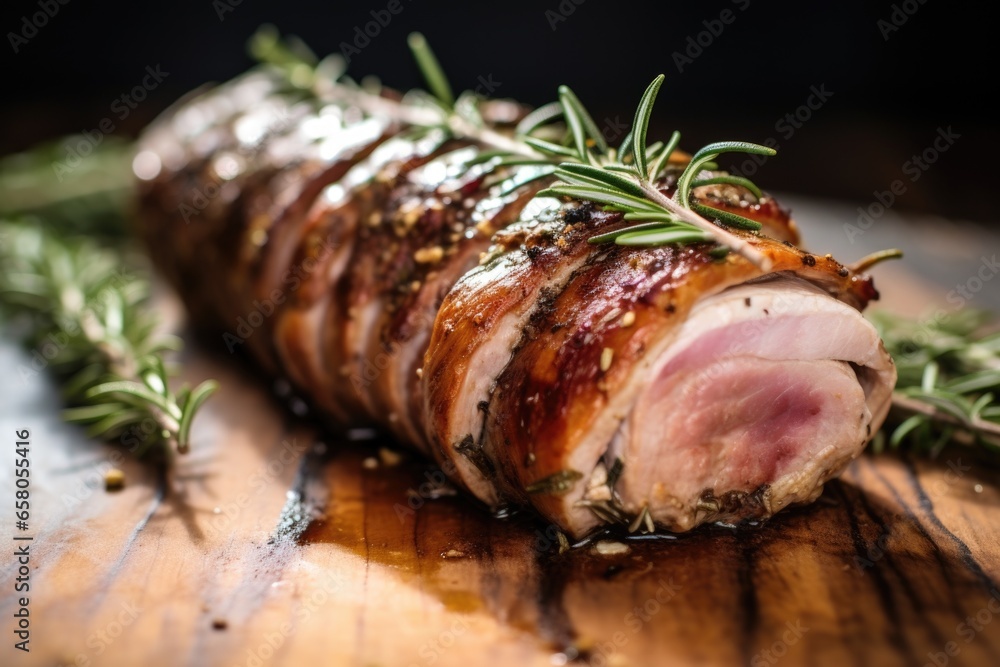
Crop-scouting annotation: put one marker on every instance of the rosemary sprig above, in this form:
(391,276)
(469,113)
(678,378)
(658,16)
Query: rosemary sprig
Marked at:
(72,194)
(622,179)
(458,118)
(84,317)
(947,398)
(588,168)
(949,377)
(431,68)
(625,181)
(69,288)
(295,60)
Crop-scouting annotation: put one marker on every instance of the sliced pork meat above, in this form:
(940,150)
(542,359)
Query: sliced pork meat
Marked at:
(779,386)
(396,286)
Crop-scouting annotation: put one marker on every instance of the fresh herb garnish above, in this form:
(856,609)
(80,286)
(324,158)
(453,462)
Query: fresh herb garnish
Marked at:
(621,180)
(86,317)
(625,181)
(75,291)
(949,377)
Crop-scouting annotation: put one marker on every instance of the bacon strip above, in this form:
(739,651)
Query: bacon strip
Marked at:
(599,384)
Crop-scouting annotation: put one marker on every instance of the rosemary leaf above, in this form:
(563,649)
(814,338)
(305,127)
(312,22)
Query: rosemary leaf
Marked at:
(641,126)
(664,237)
(620,200)
(541,116)
(625,149)
(548,147)
(611,236)
(727,217)
(578,117)
(664,217)
(603,177)
(664,158)
(706,155)
(431,69)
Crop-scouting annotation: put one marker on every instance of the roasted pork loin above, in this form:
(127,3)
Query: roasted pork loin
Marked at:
(397,287)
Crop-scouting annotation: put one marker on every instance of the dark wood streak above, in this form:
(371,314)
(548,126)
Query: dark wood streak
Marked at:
(518,602)
(554,623)
(927,506)
(903,582)
(359,628)
(303,505)
(939,558)
(887,559)
(861,547)
(748,603)
(965,554)
(159,494)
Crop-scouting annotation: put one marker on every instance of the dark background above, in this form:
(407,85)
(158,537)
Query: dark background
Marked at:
(890,96)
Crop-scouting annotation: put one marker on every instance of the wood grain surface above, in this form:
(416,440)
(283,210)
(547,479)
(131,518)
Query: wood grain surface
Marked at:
(276,542)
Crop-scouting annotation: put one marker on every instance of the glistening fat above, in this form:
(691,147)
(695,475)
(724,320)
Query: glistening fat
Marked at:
(415,280)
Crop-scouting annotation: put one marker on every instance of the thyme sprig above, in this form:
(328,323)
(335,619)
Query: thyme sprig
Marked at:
(949,379)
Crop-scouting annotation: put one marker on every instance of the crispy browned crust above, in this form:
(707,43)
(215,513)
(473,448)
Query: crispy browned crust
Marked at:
(417,254)
(549,395)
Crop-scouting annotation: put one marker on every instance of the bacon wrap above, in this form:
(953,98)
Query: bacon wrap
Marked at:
(398,288)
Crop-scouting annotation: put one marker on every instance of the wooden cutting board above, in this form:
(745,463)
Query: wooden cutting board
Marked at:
(275,543)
